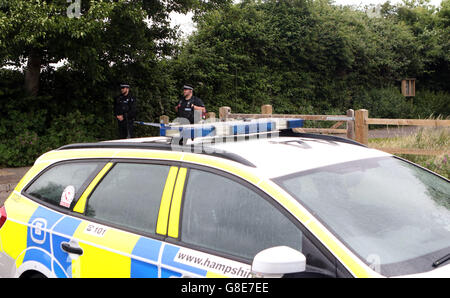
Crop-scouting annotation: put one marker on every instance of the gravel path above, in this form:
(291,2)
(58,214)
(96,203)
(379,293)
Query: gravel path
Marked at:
(9,177)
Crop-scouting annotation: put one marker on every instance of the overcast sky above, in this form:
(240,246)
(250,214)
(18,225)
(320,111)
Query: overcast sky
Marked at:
(186,25)
(367,2)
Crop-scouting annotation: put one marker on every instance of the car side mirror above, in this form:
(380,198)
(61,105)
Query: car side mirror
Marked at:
(277,261)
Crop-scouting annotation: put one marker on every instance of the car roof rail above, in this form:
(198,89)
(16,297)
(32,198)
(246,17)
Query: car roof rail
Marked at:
(193,148)
(117,144)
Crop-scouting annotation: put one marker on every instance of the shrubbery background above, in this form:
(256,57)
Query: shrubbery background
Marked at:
(301,56)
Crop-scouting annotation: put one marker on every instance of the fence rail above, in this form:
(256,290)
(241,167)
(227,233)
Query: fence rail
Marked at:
(266,112)
(416,122)
(362,122)
(357,125)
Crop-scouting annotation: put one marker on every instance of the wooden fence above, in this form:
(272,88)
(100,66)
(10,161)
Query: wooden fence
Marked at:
(356,122)
(362,122)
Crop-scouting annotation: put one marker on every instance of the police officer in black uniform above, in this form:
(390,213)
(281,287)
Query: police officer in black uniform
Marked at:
(190,105)
(125,112)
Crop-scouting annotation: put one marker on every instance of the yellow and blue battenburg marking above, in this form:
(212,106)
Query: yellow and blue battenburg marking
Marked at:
(47,230)
(169,259)
(145,249)
(62,263)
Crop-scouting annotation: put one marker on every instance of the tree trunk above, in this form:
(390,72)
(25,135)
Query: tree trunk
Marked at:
(32,73)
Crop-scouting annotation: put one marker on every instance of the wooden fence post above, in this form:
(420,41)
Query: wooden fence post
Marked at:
(223,113)
(351,125)
(164,119)
(211,116)
(362,127)
(266,110)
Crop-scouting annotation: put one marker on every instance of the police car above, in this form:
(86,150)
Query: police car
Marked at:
(266,204)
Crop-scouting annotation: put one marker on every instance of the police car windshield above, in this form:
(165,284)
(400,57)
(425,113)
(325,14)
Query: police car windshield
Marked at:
(394,215)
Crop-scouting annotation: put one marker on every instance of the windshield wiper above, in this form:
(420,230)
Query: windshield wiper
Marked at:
(441,260)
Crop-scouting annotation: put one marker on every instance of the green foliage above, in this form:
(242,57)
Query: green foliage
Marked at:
(431,103)
(384,103)
(29,128)
(312,57)
(301,56)
(27,145)
(75,127)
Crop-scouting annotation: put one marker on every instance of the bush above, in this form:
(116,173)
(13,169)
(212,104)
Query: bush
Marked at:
(384,103)
(431,104)
(22,145)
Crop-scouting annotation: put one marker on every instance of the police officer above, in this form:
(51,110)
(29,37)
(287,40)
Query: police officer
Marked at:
(125,112)
(190,105)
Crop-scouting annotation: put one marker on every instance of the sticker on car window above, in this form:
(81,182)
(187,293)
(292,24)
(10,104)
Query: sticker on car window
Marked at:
(67,196)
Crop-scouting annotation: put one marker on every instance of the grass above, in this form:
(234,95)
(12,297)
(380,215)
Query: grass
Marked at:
(425,138)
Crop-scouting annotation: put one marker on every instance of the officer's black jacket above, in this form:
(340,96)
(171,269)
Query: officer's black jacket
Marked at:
(126,106)
(185,109)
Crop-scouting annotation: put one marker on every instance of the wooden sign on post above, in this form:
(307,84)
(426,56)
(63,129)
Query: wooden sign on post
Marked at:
(409,87)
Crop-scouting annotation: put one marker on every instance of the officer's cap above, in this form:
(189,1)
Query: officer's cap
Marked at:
(188,86)
(124,86)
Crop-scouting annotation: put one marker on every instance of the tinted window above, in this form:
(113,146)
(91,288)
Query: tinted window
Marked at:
(129,195)
(49,187)
(226,216)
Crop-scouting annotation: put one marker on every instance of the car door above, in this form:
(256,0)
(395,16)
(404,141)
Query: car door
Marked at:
(223,223)
(47,219)
(118,233)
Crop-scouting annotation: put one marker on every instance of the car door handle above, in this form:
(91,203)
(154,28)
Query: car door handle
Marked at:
(67,247)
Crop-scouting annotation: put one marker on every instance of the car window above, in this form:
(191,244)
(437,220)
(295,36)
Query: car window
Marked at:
(129,195)
(224,215)
(63,184)
(394,215)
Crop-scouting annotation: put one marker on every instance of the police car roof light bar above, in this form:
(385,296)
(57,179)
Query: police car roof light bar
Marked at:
(230,128)
(241,129)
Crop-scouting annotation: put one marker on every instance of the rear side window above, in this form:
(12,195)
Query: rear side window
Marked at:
(129,196)
(63,184)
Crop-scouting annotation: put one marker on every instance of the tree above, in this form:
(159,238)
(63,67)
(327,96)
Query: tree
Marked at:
(430,27)
(90,35)
(310,56)
(101,43)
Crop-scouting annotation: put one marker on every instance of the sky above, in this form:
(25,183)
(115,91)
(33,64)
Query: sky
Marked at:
(367,2)
(186,25)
